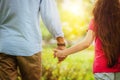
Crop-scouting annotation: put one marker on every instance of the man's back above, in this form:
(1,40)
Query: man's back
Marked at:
(19,26)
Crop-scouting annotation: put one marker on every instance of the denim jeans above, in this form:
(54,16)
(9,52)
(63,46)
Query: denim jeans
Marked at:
(107,76)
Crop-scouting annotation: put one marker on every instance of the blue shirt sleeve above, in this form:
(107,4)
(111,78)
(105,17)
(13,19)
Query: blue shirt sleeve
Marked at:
(51,18)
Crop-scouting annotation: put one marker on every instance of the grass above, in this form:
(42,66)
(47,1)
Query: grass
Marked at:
(75,67)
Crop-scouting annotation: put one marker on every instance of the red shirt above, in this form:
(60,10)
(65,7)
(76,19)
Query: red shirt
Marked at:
(100,62)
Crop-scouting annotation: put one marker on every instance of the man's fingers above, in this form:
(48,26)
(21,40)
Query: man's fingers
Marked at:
(55,55)
(60,59)
(55,50)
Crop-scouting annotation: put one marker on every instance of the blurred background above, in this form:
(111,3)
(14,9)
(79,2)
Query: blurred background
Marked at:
(75,17)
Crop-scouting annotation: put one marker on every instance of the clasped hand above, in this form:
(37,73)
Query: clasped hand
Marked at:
(59,53)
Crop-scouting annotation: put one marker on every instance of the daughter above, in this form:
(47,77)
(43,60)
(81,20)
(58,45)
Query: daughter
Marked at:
(104,28)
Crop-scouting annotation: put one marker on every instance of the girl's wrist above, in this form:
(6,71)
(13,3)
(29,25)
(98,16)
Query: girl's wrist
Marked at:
(66,52)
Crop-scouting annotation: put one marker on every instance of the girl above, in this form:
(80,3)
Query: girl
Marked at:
(105,29)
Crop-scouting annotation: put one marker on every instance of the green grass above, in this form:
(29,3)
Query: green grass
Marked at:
(75,67)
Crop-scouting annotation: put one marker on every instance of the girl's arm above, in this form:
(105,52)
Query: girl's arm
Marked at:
(85,43)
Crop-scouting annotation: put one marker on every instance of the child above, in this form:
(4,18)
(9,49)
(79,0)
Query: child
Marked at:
(105,29)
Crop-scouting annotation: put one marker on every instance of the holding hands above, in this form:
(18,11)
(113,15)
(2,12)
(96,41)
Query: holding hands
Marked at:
(60,53)
(61,47)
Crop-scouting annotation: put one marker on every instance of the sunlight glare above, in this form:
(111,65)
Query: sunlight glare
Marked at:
(75,8)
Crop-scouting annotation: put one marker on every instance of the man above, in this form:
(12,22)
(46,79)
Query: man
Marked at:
(20,36)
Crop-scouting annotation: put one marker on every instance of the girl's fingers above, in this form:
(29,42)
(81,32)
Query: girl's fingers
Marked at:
(55,50)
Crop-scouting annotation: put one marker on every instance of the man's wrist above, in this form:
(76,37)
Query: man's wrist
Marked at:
(60,40)
(61,44)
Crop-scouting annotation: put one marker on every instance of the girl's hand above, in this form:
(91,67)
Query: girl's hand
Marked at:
(59,53)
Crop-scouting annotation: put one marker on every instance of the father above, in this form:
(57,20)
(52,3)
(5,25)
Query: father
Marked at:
(20,36)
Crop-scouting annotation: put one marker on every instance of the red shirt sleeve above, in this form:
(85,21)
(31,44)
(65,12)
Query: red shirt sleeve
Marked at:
(91,25)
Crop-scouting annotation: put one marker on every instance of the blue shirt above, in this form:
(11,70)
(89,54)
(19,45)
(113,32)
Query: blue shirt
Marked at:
(20,28)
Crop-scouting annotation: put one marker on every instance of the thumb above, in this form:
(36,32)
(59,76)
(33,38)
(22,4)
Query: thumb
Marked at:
(56,50)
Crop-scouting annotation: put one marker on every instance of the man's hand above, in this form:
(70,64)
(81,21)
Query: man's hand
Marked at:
(60,59)
(60,46)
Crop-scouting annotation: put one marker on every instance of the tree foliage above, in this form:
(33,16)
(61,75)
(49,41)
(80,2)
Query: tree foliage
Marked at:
(75,17)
